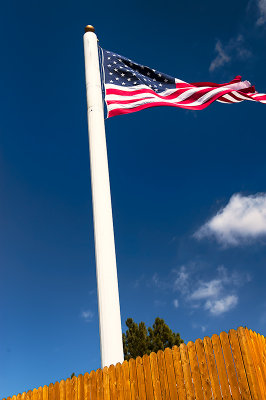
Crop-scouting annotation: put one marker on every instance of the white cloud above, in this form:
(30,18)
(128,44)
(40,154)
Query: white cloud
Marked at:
(87,315)
(217,295)
(220,306)
(242,219)
(203,328)
(262,12)
(234,49)
(158,282)
(176,303)
(207,289)
(181,281)
(221,58)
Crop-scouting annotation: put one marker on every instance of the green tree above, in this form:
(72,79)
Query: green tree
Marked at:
(135,340)
(138,340)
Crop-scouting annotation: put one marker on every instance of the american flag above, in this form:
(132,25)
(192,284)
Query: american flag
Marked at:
(131,87)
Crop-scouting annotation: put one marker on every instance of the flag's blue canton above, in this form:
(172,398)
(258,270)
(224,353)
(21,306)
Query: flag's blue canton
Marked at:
(122,71)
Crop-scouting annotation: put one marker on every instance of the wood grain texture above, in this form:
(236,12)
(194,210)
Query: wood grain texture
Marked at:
(215,384)
(163,376)
(180,382)
(45,393)
(239,365)
(119,382)
(99,384)
(187,373)
(155,377)
(126,380)
(225,367)
(249,366)
(169,364)
(112,383)
(147,377)
(106,384)
(62,390)
(229,363)
(203,369)
(141,380)
(74,383)
(93,393)
(256,361)
(195,373)
(56,391)
(217,348)
(133,379)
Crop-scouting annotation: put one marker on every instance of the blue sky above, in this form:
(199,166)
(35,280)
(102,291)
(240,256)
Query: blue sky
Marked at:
(188,188)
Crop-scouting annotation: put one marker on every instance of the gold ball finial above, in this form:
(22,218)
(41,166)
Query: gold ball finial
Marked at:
(89,28)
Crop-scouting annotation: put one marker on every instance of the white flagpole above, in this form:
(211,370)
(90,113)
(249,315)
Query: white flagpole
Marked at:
(108,296)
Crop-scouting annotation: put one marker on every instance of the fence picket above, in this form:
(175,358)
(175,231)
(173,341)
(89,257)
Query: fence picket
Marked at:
(80,387)
(51,395)
(212,368)
(163,376)
(87,386)
(193,360)
(262,350)
(239,365)
(34,395)
(74,382)
(99,384)
(217,348)
(29,395)
(155,377)
(140,377)
(259,352)
(119,382)
(203,369)
(40,394)
(106,387)
(262,345)
(158,392)
(112,380)
(179,373)
(93,386)
(256,361)
(62,390)
(229,363)
(45,393)
(187,373)
(249,367)
(56,391)
(148,378)
(126,380)
(68,389)
(170,373)
(133,379)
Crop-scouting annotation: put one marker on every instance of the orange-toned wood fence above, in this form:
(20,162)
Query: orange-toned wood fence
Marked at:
(229,366)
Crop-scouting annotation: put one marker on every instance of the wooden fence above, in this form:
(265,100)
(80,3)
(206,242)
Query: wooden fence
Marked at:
(229,366)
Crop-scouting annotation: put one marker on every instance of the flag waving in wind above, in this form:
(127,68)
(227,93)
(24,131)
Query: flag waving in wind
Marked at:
(131,87)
